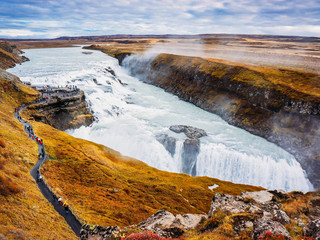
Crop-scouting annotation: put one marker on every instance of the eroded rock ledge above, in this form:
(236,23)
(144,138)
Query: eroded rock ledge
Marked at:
(63,111)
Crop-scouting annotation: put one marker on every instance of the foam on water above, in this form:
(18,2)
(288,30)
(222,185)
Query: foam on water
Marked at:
(131,115)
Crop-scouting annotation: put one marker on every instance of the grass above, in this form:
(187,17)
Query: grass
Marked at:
(6,59)
(24,212)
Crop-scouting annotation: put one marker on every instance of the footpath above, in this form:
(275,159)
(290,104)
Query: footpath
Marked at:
(35,172)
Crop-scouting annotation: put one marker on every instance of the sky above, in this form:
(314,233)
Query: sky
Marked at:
(56,18)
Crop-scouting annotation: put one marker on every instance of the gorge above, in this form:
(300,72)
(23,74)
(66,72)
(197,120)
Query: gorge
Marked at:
(130,114)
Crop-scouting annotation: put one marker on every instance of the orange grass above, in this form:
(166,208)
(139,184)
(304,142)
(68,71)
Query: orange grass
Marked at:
(24,212)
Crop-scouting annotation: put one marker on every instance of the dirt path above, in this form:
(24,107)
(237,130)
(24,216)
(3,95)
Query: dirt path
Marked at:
(35,172)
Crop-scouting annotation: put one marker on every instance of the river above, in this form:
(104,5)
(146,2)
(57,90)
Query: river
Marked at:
(131,114)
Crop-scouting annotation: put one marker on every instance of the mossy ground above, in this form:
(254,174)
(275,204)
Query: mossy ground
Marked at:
(24,212)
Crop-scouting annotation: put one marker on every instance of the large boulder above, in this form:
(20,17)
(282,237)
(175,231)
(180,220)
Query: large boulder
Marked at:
(232,204)
(259,197)
(263,226)
(312,229)
(190,132)
(167,225)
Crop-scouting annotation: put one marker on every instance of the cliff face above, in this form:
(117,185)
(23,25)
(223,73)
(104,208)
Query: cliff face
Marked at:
(63,111)
(10,55)
(282,106)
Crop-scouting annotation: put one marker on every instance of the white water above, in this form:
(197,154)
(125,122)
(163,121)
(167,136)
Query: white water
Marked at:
(129,117)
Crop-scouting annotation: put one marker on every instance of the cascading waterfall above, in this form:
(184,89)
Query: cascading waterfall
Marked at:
(131,115)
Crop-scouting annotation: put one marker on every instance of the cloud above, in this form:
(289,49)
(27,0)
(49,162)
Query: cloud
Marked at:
(96,17)
(16,32)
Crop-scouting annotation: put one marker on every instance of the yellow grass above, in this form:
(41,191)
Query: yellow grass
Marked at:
(24,214)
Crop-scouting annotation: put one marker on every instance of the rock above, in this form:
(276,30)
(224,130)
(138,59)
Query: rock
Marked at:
(260,197)
(88,232)
(109,70)
(312,229)
(168,142)
(267,215)
(281,216)
(63,112)
(167,225)
(191,149)
(190,132)
(231,204)
(262,225)
(8,76)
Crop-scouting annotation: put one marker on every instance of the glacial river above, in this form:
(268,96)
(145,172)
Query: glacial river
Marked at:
(130,114)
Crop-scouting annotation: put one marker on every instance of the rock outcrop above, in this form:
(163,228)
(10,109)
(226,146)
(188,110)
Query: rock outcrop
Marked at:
(167,225)
(191,146)
(63,111)
(10,55)
(282,106)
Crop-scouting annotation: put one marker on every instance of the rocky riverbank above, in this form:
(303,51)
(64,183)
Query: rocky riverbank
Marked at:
(282,106)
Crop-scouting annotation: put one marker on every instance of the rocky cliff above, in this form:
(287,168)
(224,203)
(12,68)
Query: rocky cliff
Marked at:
(280,105)
(10,55)
(63,111)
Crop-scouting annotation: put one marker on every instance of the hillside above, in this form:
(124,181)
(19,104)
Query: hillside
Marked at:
(10,55)
(24,212)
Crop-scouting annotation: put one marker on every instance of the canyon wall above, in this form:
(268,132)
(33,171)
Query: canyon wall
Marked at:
(282,106)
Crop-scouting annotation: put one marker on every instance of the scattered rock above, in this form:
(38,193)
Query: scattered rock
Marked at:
(262,225)
(97,232)
(312,229)
(109,70)
(95,81)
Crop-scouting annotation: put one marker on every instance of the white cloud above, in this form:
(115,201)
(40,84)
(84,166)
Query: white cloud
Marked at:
(15,33)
